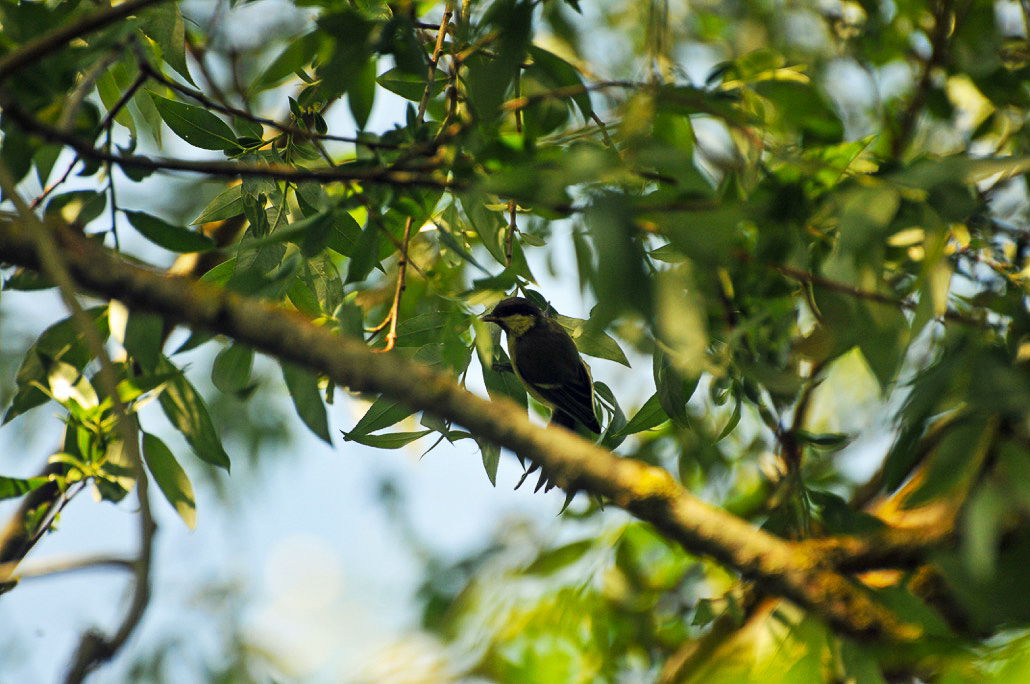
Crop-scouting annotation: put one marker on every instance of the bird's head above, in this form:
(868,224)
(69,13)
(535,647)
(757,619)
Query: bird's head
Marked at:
(515,315)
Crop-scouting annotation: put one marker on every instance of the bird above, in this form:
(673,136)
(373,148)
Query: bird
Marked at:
(545,359)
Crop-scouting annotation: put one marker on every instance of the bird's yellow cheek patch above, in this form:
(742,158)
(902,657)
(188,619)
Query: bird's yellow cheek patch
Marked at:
(517,324)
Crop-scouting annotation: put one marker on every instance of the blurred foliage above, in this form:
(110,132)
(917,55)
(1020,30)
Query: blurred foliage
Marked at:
(812,217)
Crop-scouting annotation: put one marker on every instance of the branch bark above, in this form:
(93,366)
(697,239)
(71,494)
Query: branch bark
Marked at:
(647,492)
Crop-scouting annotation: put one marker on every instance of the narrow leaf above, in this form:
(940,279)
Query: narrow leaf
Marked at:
(228,204)
(303,387)
(383,413)
(171,478)
(166,235)
(188,413)
(196,125)
(648,416)
(11,487)
(392,440)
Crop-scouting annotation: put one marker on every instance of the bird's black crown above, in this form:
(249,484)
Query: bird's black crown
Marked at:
(515,306)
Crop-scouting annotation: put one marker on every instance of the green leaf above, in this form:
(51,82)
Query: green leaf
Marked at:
(561,74)
(824,440)
(187,411)
(350,33)
(228,204)
(647,416)
(391,440)
(411,86)
(62,341)
(553,560)
(230,371)
(303,386)
(621,280)
(612,439)
(488,79)
(801,105)
(673,391)
(77,206)
(383,413)
(365,255)
(591,342)
(488,224)
(196,125)
(143,338)
(171,479)
(297,55)
(649,560)
(361,95)
(422,328)
(491,454)
(168,236)
(164,25)
(110,93)
(11,487)
(345,234)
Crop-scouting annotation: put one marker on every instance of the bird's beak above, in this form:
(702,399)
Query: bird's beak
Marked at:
(489,318)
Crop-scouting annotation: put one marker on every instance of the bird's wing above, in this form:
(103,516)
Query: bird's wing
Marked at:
(549,363)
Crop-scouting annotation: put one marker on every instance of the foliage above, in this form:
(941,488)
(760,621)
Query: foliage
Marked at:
(768,218)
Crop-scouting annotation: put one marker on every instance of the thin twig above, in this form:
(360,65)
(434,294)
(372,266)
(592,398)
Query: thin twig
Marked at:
(199,54)
(604,129)
(826,283)
(402,270)
(435,59)
(521,102)
(943,12)
(509,244)
(393,317)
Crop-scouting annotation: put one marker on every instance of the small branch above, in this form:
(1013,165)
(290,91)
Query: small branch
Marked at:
(361,173)
(826,283)
(509,244)
(229,110)
(393,317)
(48,42)
(521,102)
(942,29)
(199,56)
(603,128)
(435,59)
(402,271)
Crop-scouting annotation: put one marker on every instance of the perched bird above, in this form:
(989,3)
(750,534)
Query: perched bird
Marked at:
(546,360)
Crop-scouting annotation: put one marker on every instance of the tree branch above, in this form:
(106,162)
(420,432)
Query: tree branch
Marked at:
(48,42)
(364,174)
(647,492)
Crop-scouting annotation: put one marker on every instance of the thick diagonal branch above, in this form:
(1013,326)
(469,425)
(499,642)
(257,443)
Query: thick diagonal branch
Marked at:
(649,493)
